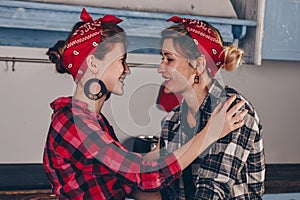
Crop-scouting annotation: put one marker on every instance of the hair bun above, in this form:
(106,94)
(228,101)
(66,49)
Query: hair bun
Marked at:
(54,56)
(55,53)
(233,57)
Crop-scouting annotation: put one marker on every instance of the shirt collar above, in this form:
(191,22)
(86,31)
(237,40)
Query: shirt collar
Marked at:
(216,94)
(62,102)
(67,101)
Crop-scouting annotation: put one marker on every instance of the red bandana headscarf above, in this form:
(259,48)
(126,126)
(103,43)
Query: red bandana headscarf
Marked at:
(83,42)
(206,41)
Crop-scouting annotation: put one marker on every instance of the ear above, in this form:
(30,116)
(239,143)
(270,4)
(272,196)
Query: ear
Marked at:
(201,64)
(91,63)
(193,63)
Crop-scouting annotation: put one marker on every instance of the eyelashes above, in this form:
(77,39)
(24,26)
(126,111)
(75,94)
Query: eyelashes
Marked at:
(168,59)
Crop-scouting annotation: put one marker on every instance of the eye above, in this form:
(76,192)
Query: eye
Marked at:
(168,59)
(124,63)
(123,59)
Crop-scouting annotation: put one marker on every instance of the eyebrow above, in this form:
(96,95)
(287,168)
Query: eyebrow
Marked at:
(165,54)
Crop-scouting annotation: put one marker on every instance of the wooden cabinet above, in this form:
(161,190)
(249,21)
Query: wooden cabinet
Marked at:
(252,42)
(266,29)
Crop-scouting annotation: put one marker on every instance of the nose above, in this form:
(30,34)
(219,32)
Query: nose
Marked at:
(126,69)
(161,68)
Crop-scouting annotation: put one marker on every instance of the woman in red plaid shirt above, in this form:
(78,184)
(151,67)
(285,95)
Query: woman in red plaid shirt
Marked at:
(83,158)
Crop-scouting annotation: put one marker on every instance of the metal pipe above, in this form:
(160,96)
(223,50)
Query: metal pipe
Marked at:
(30,60)
(37,60)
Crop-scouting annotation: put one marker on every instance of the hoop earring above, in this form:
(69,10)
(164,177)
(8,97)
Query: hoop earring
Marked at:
(196,79)
(95,96)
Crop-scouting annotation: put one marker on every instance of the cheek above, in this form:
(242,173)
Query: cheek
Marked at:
(117,69)
(109,77)
(114,70)
(182,72)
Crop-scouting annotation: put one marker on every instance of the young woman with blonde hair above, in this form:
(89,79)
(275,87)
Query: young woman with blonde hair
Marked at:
(234,166)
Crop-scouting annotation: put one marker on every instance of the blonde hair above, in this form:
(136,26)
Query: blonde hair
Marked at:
(186,45)
(233,57)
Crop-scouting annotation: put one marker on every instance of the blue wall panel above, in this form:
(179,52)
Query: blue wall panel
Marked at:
(282,30)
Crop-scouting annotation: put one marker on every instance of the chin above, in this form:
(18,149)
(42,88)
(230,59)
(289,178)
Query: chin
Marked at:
(119,92)
(168,90)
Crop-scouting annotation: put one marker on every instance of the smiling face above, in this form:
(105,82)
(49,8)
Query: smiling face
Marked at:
(175,69)
(115,69)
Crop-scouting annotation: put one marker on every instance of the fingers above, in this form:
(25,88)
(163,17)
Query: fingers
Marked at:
(238,120)
(236,108)
(238,125)
(240,116)
(229,102)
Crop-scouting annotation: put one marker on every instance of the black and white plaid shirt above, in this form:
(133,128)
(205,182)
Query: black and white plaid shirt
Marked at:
(232,168)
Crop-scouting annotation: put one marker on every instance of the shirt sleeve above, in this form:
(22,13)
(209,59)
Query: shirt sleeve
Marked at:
(234,165)
(92,145)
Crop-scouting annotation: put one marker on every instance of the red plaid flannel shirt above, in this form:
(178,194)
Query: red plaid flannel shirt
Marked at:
(83,160)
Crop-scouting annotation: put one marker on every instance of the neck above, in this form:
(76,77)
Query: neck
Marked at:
(93,105)
(194,96)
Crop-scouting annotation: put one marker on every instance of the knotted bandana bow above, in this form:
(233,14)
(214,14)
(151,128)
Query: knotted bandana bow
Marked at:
(84,42)
(206,41)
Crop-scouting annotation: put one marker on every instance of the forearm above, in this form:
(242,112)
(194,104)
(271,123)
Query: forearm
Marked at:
(154,154)
(220,124)
(193,148)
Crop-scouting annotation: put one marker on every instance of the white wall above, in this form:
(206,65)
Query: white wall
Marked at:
(27,92)
(273,88)
(25,98)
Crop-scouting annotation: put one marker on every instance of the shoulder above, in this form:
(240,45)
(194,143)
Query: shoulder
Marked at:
(231,91)
(252,115)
